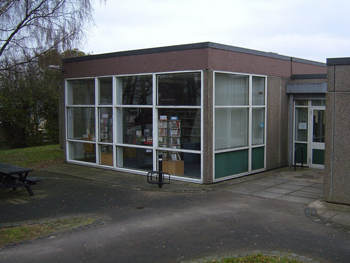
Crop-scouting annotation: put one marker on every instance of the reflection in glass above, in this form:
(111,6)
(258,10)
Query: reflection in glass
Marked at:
(186,165)
(301,122)
(106,125)
(319,126)
(135,90)
(106,91)
(81,123)
(84,152)
(137,126)
(179,89)
(135,158)
(81,92)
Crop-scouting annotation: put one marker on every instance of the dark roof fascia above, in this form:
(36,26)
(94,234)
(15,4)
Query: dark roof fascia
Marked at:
(309,76)
(189,47)
(338,61)
(301,88)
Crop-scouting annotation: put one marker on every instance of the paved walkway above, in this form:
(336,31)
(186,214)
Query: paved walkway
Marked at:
(303,186)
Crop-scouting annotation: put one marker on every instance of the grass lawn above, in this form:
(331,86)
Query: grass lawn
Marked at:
(257,258)
(29,232)
(33,157)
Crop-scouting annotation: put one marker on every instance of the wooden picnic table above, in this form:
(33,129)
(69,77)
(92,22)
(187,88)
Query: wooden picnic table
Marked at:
(12,176)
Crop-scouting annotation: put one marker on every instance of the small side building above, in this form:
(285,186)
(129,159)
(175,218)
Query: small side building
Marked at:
(337,171)
(201,112)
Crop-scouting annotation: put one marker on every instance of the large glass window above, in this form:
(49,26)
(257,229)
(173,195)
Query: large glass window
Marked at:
(106,91)
(182,128)
(231,89)
(179,89)
(81,123)
(81,92)
(110,122)
(106,125)
(239,124)
(135,126)
(231,129)
(135,90)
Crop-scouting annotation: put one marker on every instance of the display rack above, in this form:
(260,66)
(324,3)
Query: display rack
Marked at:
(106,128)
(169,136)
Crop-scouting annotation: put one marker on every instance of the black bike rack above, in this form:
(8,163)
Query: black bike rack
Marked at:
(158,178)
(295,157)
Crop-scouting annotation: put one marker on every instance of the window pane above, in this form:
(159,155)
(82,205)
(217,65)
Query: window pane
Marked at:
(106,125)
(183,133)
(231,89)
(106,91)
(106,155)
(319,126)
(185,164)
(231,128)
(179,89)
(81,92)
(81,123)
(258,126)
(258,91)
(301,102)
(135,90)
(318,103)
(137,127)
(84,152)
(135,158)
(301,122)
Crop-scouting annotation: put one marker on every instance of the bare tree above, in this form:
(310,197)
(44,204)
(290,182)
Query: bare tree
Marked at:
(29,28)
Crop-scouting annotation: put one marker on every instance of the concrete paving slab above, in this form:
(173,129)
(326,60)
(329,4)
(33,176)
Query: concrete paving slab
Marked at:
(342,218)
(244,189)
(296,199)
(278,190)
(265,183)
(317,186)
(303,193)
(328,214)
(266,194)
(313,190)
(300,183)
(290,186)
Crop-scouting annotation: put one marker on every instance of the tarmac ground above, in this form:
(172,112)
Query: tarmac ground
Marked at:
(277,212)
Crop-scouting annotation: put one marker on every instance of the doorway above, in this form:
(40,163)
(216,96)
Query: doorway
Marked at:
(309,133)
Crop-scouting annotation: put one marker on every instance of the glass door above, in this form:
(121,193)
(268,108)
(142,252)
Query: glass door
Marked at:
(309,133)
(317,140)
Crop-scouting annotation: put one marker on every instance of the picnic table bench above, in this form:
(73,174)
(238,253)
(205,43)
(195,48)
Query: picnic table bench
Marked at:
(12,176)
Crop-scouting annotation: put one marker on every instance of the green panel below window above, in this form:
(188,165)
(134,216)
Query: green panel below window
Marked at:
(231,163)
(298,152)
(258,158)
(317,156)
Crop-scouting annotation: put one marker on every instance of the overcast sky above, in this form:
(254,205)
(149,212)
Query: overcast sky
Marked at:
(310,29)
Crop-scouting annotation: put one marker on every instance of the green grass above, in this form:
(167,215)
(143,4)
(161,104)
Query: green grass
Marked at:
(257,259)
(29,232)
(33,157)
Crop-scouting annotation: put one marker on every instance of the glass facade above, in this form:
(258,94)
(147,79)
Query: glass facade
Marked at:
(154,122)
(114,122)
(240,118)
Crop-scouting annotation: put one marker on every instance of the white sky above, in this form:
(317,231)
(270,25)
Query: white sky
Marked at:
(310,29)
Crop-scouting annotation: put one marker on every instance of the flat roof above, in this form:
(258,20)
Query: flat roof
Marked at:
(201,45)
(338,61)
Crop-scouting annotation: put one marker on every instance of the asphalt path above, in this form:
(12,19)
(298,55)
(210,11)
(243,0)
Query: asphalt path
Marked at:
(159,226)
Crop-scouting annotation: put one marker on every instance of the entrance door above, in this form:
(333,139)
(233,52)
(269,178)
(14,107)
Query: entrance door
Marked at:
(309,133)
(317,133)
